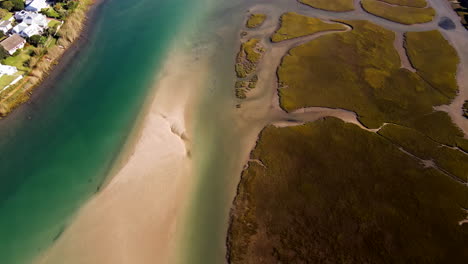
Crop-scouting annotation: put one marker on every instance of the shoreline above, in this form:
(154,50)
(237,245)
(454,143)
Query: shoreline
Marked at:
(128,144)
(55,67)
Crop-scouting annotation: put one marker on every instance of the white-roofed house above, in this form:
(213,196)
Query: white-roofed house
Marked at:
(13,43)
(19,28)
(5,26)
(33,24)
(37,5)
(31,31)
(19,16)
(7,70)
(35,18)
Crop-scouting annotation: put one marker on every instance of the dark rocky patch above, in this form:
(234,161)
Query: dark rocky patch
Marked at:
(446,23)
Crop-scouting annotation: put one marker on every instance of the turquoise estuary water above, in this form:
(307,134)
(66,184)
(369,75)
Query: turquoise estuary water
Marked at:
(56,151)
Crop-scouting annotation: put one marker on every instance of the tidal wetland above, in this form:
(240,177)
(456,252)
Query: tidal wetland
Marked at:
(364,157)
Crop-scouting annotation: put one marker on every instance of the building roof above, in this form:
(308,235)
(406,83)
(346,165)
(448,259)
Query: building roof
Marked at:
(20,27)
(31,30)
(37,5)
(35,18)
(21,14)
(7,69)
(33,15)
(5,23)
(12,42)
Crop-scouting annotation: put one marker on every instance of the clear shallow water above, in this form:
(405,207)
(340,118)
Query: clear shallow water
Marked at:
(55,153)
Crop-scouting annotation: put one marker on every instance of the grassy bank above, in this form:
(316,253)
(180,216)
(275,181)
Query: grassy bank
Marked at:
(38,62)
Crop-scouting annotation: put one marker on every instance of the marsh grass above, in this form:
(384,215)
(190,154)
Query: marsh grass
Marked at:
(435,59)
(330,192)
(248,57)
(451,160)
(410,3)
(357,70)
(242,87)
(360,70)
(294,25)
(439,127)
(335,5)
(400,14)
(255,20)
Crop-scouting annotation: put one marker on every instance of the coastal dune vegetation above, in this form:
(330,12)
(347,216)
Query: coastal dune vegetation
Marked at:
(37,62)
(294,25)
(401,14)
(335,5)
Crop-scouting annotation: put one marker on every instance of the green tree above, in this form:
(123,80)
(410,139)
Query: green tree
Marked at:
(59,8)
(71,5)
(3,53)
(37,40)
(50,12)
(51,31)
(8,5)
(43,40)
(17,5)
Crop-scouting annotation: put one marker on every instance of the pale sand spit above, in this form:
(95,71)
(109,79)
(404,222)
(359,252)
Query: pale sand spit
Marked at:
(134,219)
